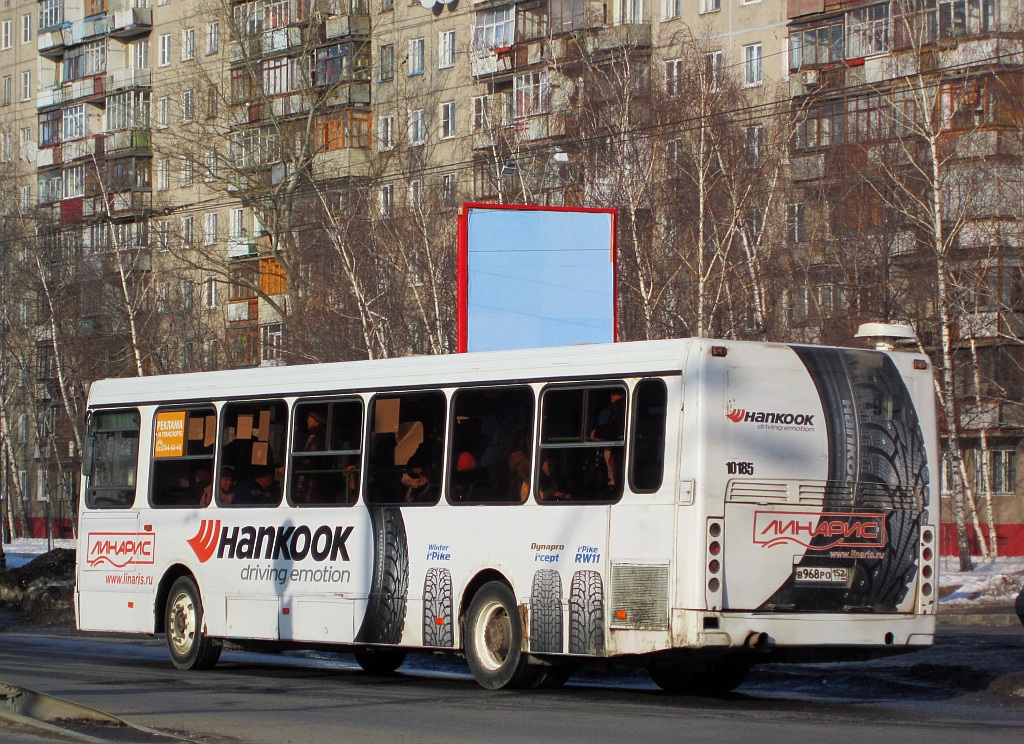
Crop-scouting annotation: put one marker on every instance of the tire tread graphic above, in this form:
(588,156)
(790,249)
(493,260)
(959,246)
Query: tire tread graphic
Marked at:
(437,605)
(384,620)
(586,614)
(877,463)
(546,612)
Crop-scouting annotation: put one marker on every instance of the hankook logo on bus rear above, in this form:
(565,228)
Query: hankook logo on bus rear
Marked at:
(120,549)
(819,530)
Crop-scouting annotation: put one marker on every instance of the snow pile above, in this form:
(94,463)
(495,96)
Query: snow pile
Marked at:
(994,581)
(24,549)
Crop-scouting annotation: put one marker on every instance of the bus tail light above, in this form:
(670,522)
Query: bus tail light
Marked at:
(927,566)
(713,562)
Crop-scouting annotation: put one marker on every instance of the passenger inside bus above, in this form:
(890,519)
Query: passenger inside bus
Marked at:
(551,483)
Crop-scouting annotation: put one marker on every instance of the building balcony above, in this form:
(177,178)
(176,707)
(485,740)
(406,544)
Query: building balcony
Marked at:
(992,325)
(128,23)
(119,205)
(129,78)
(80,148)
(128,140)
(349,95)
(90,89)
(342,26)
(52,96)
(51,44)
(241,247)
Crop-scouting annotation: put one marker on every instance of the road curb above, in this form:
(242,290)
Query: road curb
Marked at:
(997,617)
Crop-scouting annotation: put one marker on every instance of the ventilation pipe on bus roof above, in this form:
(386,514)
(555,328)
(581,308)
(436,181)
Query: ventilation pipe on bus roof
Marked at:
(887,336)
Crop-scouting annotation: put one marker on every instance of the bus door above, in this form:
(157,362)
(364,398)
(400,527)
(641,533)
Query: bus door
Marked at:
(825,483)
(118,556)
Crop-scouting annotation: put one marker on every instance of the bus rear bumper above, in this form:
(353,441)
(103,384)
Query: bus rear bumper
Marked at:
(766,632)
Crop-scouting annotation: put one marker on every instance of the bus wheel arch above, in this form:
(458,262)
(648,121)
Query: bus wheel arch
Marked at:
(189,646)
(495,638)
(163,589)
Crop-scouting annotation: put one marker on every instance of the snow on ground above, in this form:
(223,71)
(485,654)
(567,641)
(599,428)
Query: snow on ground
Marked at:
(24,549)
(993,581)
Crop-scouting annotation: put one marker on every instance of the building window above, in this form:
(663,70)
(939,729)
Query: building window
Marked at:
(163,175)
(187,172)
(344,129)
(710,6)
(210,292)
(26,85)
(128,111)
(163,111)
(162,234)
(713,71)
(188,44)
(867,31)
(448,120)
(386,132)
(493,28)
(415,193)
(531,94)
(446,49)
(417,128)
(6,34)
(165,50)
(26,198)
(387,62)
(386,200)
(74,122)
(752,65)
(271,341)
(5,91)
(481,105)
(212,37)
(236,223)
(85,60)
(754,142)
(74,181)
(275,76)
(386,5)
(210,228)
(210,163)
(671,9)
(51,13)
(26,28)
(796,223)
(139,54)
(188,110)
(415,63)
(187,232)
(448,184)
(816,46)
(673,76)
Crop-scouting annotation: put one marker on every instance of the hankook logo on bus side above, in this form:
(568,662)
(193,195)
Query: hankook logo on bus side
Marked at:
(205,541)
(770,417)
(266,542)
(819,530)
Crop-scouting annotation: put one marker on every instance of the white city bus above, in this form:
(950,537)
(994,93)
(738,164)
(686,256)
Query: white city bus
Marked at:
(691,506)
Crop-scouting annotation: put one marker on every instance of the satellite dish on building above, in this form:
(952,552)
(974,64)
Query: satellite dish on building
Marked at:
(428,4)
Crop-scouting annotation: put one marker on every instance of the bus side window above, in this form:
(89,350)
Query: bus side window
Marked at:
(491,453)
(114,459)
(582,444)
(326,452)
(406,449)
(252,435)
(647,460)
(183,442)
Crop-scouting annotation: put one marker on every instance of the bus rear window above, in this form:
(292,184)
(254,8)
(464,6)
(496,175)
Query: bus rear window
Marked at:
(183,441)
(114,459)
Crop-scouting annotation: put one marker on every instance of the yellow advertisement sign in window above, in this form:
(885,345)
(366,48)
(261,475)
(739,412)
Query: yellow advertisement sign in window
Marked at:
(170,434)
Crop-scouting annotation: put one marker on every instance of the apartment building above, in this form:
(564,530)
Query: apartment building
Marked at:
(259,182)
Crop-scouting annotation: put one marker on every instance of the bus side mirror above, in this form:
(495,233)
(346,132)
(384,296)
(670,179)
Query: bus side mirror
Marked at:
(89,458)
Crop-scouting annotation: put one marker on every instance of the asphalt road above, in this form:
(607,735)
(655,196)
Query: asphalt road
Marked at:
(968,688)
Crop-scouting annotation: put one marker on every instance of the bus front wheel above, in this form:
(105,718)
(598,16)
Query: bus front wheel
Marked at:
(494,639)
(189,646)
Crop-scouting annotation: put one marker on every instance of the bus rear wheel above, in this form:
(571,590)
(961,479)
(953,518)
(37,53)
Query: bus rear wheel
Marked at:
(188,644)
(494,639)
(379,660)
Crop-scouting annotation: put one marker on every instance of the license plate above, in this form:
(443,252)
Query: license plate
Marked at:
(833,575)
